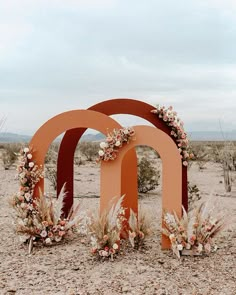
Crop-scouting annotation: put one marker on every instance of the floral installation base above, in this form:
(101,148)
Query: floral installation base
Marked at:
(105,230)
(39,219)
(194,233)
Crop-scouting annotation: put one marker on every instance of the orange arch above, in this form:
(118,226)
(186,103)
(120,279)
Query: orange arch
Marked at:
(61,123)
(171,175)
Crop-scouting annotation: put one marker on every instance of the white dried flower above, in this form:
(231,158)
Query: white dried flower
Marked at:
(26,150)
(104,253)
(48,241)
(103,145)
(101,153)
(27,196)
(31,164)
(117,143)
(29,156)
(188,246)
(57,238)
(43,233)
(23,205)
(200,248)
(115,246)
(180,247)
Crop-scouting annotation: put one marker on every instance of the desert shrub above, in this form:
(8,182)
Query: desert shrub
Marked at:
(214,152)
(89,150)
(201,156)
(51,175)
(226,159)
(10,154)
(78,161)
(51,156)
(193,195)
(148,176)
(146,151)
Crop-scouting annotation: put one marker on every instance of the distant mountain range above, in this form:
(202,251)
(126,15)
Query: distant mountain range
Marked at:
(195,136)
(13,137)
(212,135)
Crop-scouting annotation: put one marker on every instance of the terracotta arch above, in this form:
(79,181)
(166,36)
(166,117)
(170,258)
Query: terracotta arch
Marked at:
(61,123)
(171,175)
(110,107)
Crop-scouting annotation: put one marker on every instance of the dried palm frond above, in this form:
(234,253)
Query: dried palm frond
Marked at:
(140,227)
(59,203)
(114,212)
(105,229)
(74,217)
(193,231)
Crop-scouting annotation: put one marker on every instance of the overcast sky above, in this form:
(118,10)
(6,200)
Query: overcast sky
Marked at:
(60,55)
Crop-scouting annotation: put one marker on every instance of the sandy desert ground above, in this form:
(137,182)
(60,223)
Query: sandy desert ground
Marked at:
(69,268)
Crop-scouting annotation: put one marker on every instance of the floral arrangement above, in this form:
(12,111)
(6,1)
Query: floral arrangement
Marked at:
(192,232)
(39,219)
(177,131)
(105,230)
(114,141)
(140,227)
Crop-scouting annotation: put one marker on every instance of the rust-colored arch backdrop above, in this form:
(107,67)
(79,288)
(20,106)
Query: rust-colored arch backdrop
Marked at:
(65,167)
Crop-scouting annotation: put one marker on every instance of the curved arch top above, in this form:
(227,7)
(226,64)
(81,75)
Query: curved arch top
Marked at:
(63,122)
(171,161)
(109,107)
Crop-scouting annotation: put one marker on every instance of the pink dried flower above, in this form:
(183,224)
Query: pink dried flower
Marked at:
(105,237)
(112,251)
(132,234)
(94,250)
(45,223)
(61,233)
(62,222)
(141,235)
(192,239)
(21,198)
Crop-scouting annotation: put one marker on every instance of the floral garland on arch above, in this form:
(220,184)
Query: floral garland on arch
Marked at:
(39,219)
(114,141)
(169,116)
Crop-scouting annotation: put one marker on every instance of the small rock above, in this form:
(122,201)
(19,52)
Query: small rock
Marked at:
(125,289)
(11,291)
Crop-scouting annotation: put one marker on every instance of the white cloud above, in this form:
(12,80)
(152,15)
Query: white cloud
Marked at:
(12,36)
(72,54)
(27,5)
(228,5)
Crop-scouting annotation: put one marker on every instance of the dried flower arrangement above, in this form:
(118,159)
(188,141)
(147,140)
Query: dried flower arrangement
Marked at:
(193,232)
(114,141)
(105,229)
(140,227)
(177,131)
(39,219)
